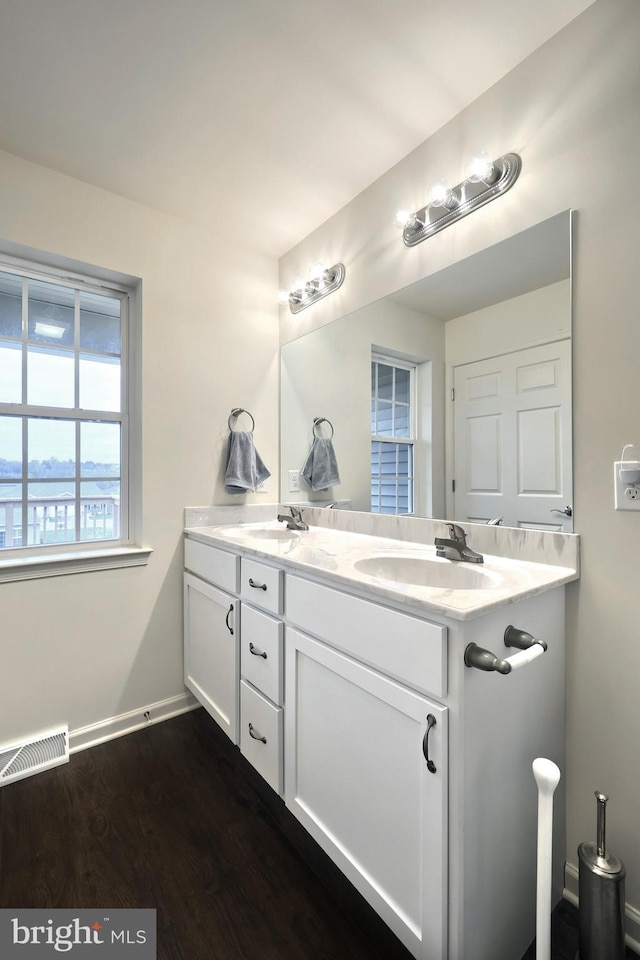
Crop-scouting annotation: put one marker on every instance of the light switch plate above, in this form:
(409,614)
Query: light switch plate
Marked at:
(626,497)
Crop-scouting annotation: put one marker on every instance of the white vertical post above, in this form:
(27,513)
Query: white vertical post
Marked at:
(547,777)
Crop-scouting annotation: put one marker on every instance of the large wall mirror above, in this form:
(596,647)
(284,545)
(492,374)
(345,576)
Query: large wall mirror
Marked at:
(450,398)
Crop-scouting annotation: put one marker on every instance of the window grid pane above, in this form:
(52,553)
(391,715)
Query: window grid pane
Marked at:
(391,477)
(51,313)
(73,463)
(10,305)
(10,372)
(391,417)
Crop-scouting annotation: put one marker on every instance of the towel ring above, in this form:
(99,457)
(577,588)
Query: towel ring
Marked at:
(316,423)
(235,413)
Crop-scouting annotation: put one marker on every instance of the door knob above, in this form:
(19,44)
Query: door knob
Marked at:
(568,511)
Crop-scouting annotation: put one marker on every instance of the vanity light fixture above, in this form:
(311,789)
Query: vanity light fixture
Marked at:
(322,281)
(485,180)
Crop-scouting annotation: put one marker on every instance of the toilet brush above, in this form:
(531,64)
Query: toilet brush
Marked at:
(547,777)
(601,877)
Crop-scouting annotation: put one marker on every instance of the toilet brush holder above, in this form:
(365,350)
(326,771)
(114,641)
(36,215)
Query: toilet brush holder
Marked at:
(601,878)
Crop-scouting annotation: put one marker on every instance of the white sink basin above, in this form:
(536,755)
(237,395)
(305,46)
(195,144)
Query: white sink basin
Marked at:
(248,532)
(426,572)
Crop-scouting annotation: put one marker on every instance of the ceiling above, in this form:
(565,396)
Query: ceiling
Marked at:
(263,117)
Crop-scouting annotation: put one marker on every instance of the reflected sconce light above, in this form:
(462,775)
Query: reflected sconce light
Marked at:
(321,282)
(485,179)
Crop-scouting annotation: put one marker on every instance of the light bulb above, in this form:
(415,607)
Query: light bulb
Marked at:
(319,275)
(318,271)
(283,296)
(480,168)
(402,218)
(441,195)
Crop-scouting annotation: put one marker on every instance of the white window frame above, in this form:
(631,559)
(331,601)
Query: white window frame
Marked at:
(390,360)
(34,561)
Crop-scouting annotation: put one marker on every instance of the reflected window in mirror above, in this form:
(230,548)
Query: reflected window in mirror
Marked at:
(392,435)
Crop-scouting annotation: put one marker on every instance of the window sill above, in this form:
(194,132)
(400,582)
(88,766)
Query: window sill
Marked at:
(81,561)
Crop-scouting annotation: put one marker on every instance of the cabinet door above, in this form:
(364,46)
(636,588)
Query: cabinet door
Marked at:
(357,779)
(212,651)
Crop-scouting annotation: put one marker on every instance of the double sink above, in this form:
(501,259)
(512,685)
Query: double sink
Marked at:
(421,569)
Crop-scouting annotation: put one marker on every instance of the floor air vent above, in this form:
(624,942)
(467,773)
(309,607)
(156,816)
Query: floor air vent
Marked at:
(18,760)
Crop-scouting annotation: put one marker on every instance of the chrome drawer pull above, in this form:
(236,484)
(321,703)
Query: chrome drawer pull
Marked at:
(258,586)
(256,736)
(431,722)
(226,619)
(257,653)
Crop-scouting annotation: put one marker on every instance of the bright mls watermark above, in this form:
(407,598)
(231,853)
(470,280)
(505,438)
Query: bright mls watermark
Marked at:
(79,934)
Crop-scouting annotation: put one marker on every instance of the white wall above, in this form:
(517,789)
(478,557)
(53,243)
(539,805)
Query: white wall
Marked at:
(537,317)
(83,648)
(572,111)
(328,373)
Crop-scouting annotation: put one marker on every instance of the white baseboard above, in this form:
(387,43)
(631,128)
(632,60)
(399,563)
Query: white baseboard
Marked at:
(632,916)
(112,727)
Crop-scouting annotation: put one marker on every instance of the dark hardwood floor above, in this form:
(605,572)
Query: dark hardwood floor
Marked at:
(171,817)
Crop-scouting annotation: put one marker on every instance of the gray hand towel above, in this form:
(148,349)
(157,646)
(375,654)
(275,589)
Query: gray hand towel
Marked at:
(321,468)
(245,469)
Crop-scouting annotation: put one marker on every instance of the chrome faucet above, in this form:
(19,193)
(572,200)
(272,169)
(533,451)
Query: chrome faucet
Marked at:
(455,546)
(293,521)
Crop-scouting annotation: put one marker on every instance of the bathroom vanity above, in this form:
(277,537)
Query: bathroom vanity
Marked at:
(335,660)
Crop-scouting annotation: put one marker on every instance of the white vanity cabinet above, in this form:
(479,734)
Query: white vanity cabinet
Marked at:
(367,755)
(261,667)
(233,650)
(412,770)
(357,779)
(211,632)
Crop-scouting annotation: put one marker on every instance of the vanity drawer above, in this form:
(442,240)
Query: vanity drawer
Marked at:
(401,646)
(216,566)
(261,652)
(261,735)
(261,585)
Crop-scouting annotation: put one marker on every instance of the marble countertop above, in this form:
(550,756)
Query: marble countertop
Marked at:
(360,562)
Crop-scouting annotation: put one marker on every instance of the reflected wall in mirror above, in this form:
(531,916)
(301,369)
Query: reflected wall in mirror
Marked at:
(449,398)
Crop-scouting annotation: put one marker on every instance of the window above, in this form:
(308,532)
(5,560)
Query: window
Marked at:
(64,416)
(392,436)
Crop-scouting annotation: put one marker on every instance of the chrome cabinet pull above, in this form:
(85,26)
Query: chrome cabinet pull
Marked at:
(431,722)
(226,619)
(257,653)
(256,736)
(258,586)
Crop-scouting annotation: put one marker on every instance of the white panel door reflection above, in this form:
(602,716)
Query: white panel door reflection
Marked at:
(512,426)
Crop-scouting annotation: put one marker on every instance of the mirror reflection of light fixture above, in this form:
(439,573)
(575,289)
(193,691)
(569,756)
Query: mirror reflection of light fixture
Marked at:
(485,180)
(321,281)
(48,328)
